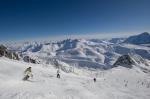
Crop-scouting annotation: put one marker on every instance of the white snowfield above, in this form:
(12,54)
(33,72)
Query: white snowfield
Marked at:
(117,83)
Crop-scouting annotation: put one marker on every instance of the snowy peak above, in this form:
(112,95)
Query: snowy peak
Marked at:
(143,38)
(67,44)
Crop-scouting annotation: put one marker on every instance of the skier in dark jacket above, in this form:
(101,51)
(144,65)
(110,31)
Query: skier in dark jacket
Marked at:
(94,79)
(58,73)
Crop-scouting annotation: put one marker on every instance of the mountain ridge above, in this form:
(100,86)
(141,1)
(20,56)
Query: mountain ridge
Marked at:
(91,53)
(143,38)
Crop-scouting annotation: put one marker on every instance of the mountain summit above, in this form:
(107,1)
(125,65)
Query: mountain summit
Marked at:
(143,38)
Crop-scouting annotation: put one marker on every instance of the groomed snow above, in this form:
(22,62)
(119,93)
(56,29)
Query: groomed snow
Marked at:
(117,83)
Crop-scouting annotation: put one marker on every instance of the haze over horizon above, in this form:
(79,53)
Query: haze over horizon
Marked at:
(32,19)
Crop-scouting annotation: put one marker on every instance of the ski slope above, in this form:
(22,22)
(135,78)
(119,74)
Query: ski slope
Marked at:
(117,83)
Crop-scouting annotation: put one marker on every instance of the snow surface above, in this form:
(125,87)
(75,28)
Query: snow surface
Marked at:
(116,83)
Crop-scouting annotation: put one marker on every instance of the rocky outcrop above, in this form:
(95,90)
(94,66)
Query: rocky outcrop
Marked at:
(7,53)
(125,61)
(13,55)
(29,60)
(2,50)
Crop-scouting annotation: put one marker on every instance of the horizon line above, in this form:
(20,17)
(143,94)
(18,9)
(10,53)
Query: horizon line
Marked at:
(54,38)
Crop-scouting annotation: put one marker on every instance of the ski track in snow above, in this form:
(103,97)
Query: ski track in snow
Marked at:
(45,85)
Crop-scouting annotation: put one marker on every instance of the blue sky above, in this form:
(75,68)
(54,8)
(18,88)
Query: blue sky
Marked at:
(29,19)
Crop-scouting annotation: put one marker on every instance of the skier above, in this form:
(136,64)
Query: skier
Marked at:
(27,73)
(94,79)
(58,73)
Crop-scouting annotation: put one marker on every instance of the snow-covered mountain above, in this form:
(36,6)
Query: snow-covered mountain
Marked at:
(143,38)
(92,53)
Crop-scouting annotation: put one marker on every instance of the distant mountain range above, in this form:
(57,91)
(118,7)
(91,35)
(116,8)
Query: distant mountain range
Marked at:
(93,53)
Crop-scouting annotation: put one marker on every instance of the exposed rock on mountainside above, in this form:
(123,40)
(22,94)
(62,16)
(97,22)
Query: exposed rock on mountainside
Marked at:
(125,61)
(28,59)
(9,54)
(2,50)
